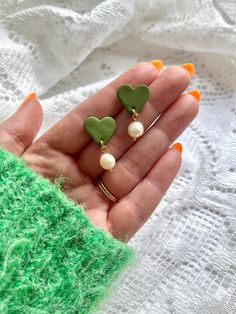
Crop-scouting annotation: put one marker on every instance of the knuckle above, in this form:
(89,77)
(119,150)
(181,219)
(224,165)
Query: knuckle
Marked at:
(12,140)
(178,77)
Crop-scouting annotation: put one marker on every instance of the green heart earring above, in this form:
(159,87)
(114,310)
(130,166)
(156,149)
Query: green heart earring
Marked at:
(133,99)
(101,131)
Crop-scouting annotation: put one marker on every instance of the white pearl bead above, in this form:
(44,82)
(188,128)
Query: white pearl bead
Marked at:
(135,129)
(107,161)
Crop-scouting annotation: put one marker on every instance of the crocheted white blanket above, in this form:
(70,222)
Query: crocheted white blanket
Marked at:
(67,49)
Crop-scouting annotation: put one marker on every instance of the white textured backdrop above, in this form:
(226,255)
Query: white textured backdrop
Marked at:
(66,50)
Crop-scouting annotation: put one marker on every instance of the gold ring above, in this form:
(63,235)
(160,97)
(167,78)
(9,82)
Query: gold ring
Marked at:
(105,191)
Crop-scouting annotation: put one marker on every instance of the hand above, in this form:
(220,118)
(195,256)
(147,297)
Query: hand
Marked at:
(148,164)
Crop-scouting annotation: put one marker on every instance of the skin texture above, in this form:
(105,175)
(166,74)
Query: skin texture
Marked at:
(66,149)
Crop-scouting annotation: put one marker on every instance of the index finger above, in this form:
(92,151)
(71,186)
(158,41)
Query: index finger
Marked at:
(68,135)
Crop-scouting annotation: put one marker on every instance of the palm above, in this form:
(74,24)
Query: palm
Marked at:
(66,150)
(78,185)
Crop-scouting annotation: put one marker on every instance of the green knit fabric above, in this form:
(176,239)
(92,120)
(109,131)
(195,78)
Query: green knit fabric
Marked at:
(52,259)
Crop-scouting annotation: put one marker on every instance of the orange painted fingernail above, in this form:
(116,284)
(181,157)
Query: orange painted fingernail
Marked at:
(189,67)
(158,64)
(195,93)
(178,147)
(30,97)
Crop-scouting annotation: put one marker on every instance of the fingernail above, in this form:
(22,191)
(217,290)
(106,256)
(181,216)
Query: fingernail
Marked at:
(158,64)
(27,100)
(189,67)
(178,147)
(195,93)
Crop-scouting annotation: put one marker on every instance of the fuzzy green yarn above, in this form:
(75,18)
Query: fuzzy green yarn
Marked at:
(52,259)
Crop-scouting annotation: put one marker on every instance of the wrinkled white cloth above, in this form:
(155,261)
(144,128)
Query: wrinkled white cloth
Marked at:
(66,49)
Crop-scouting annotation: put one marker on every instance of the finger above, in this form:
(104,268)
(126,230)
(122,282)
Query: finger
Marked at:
(69,136)
(19,131)
(138,160)
(127,217)
(164,90)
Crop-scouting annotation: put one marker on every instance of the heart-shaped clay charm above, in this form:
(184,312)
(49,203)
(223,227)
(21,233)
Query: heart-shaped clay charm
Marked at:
(100,130)
(133,98)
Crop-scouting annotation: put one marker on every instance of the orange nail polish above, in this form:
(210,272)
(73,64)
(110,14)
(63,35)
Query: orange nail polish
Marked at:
(195,93)
(30,97)
(178,147)
(158,64)
(189,67)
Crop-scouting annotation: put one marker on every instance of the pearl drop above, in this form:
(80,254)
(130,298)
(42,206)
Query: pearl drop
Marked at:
(135,129)
(107,161)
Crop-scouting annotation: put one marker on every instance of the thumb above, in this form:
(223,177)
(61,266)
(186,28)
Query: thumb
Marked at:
(18,132)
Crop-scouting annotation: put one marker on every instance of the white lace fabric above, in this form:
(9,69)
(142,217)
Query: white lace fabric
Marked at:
(67,50)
